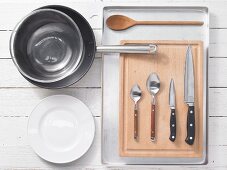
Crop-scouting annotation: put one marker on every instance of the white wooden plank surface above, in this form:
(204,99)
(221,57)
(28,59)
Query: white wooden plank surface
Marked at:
(217,72)
(18,97)
(21,101)
(14,147)
(218,102)
(94,14)
(15,151)
(14,12)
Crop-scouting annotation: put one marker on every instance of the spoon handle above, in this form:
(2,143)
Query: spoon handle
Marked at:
(135,123)
(153,122)
(199,23)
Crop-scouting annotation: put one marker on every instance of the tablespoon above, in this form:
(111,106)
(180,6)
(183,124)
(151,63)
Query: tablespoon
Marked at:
(153,86)
(135,95)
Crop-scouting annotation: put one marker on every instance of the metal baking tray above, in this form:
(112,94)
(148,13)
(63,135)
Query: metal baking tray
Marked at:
(110,120)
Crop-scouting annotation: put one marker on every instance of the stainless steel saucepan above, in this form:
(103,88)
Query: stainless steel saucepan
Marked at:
(54,47)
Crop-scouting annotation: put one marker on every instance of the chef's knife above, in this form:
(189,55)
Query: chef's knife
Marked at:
(172,136)
(189,96)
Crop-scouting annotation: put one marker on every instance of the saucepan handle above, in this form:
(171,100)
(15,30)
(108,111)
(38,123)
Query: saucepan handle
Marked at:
(137,49)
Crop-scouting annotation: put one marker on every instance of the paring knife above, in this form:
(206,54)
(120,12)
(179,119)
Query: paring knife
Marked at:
(172,136)
(189,96)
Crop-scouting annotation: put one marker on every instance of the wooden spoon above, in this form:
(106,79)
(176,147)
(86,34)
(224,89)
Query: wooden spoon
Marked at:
(121,22)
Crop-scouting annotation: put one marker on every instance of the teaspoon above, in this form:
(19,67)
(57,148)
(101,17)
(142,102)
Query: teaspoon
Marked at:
(135,95)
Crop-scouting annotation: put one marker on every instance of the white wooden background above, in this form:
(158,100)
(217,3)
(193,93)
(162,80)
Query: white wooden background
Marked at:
(18,97)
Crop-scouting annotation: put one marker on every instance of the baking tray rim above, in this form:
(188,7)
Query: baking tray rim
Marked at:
(193,161)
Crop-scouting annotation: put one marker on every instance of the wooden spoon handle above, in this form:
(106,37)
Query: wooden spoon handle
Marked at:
(152,122)
(169,23)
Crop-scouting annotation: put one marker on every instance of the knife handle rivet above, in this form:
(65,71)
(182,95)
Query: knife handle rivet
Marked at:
(173,125)
(173,114)
(173,137)
(191,111)
(191,138)
(191,124)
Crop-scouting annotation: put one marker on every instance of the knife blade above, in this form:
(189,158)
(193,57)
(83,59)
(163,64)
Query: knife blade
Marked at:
(189,96)
(172,136)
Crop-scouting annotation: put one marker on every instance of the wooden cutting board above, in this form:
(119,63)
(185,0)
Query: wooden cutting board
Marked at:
(169,62)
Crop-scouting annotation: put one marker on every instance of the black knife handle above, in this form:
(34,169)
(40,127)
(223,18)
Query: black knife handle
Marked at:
(172,136)
(190,126)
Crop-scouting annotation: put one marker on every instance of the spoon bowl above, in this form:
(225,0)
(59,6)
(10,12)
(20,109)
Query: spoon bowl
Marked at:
(120,22)
(135,93)
(153,84)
